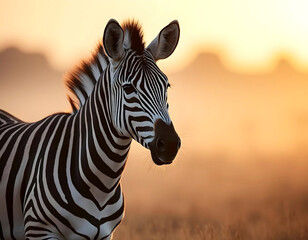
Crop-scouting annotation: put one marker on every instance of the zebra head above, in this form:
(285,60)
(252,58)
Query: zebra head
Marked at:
(138,98)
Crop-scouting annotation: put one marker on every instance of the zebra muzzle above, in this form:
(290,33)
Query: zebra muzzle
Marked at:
(166,143)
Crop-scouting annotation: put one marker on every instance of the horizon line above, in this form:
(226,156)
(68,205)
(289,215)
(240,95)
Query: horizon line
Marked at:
(270,65)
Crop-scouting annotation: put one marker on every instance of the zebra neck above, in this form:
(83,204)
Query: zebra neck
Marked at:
(103,152)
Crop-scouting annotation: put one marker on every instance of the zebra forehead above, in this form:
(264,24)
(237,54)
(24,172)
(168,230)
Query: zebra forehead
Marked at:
(150,79)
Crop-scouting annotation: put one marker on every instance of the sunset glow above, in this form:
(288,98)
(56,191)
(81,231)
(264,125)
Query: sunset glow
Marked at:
(238,100)
(250,33)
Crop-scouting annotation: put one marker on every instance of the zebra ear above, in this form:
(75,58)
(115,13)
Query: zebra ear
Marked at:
(166,41)
(113,40)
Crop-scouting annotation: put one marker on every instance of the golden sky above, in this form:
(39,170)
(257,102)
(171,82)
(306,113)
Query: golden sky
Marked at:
(248,32)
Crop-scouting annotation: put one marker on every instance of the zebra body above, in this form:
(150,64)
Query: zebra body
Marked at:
(60,176)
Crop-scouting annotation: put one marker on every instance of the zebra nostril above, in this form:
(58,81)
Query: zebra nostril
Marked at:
(160,145)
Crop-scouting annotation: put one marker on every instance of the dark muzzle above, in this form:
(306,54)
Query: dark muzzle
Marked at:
(166,143)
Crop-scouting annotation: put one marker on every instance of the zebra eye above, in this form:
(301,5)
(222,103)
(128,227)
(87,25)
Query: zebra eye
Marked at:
(128,88)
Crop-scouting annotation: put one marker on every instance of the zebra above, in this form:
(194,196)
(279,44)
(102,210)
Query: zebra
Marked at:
(60,176)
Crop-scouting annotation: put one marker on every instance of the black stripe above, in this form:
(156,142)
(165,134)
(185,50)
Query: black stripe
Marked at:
(51,208)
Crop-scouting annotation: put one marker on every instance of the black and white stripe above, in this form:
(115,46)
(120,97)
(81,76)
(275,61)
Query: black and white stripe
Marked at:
(59,177)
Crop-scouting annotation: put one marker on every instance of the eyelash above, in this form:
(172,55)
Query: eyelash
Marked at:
(128,88)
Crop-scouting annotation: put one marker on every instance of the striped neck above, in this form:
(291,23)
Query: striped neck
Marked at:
(102,151)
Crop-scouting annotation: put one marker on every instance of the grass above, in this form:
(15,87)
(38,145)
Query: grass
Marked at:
(266,199)
(278,224)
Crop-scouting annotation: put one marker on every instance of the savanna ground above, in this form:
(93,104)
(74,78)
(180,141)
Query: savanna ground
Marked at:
(212,198)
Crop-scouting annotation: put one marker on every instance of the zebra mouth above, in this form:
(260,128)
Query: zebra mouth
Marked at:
(157,160)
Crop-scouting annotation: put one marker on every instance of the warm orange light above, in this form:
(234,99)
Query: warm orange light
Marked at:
(250,31)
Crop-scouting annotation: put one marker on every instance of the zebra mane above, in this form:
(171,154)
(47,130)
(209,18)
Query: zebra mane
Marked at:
(133,36)
(82,79)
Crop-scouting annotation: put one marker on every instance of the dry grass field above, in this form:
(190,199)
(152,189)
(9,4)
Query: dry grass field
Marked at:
(257,199)
(279,225)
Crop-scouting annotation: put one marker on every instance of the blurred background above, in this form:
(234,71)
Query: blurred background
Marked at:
(238,99)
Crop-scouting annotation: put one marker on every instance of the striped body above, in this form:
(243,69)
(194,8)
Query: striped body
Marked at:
(47,174)
(60,176)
